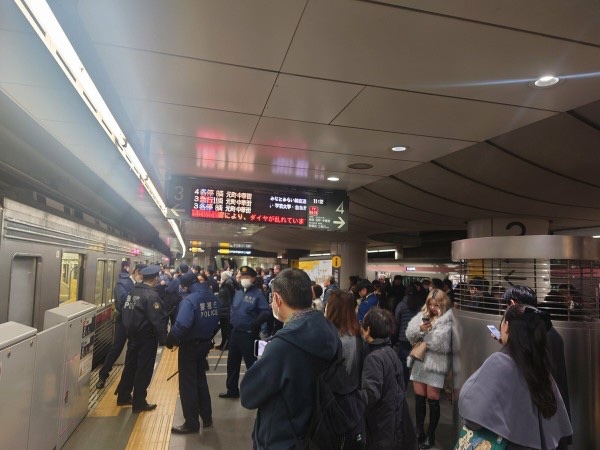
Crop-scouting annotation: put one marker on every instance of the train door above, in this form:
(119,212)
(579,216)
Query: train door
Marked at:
(23,296)
(105,281)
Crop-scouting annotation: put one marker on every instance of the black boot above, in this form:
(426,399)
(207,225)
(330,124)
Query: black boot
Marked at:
(420,412)
(434,418)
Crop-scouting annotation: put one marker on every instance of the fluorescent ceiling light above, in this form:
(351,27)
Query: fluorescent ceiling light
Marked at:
(399,148)
(43,21)
(333,179)
(596,237)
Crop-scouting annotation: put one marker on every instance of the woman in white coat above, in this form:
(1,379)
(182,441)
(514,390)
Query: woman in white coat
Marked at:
(434,326)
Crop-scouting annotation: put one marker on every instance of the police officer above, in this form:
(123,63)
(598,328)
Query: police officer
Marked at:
(146,323)
(249,309)
(196,324)
(123,288)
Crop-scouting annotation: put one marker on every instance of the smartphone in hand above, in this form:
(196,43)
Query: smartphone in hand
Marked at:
(494,332)
(259,347)
(426,320)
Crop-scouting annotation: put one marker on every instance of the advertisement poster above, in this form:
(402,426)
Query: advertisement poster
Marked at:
(317,270)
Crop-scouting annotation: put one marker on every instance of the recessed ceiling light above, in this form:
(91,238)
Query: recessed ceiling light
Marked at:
(596,237)
(243,228)
(360,166)
(333,179)
(399,148)
(546,81)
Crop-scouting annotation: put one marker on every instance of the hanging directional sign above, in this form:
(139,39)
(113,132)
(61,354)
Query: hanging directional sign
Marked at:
(261,204)
(329,212)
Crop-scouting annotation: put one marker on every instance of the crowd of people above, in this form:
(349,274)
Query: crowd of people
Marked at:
(374,328)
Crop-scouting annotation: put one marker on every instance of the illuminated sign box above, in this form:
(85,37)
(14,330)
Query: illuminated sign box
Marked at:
(265,206)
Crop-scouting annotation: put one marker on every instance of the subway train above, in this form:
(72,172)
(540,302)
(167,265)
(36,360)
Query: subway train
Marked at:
(49,260)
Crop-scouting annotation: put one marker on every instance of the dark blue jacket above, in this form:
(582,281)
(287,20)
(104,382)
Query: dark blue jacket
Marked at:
(247,308)
(144,315)
(198,314)
(123,288)
(364,307)
(287,371)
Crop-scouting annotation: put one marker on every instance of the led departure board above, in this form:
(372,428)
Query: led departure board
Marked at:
(266,205)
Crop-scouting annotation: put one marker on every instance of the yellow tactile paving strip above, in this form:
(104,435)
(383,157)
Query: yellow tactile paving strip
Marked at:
(152,429)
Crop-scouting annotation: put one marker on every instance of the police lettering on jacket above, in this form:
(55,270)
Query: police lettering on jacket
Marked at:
(143,314)
(198,314)
(247,306)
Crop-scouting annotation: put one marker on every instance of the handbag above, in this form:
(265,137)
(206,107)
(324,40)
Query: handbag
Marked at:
(418,351)
(482,439)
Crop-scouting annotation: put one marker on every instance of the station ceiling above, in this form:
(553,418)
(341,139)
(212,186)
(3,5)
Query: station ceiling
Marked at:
(291,92)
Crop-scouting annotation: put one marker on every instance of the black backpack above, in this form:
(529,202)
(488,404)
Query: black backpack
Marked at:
(338,418)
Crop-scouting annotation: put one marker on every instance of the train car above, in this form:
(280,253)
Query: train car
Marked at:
(49,261)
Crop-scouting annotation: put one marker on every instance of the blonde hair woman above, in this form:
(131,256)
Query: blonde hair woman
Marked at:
(434,326)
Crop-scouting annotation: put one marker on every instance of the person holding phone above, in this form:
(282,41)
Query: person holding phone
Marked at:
(513,395)
(434,326)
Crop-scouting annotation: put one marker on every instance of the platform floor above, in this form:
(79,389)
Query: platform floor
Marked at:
(108,426)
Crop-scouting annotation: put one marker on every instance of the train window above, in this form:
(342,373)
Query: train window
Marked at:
(99,289)
(23,294)
(109,281)
(70,278)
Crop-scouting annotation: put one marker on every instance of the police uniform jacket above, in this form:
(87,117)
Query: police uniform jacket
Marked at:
(198,315)
(246,308)
(123,288)
(144,315)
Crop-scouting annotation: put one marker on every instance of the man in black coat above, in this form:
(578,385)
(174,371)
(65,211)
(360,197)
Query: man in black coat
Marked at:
(281,384)
(145,320)
(123,288)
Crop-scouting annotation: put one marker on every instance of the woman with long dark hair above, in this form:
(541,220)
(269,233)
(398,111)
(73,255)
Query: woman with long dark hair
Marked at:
(341,311)
(513,395)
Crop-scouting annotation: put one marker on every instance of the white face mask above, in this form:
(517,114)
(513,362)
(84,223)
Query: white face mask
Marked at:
(246,283)
(275,313)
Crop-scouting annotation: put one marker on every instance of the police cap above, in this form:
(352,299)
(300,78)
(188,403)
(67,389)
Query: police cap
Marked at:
(188,278)
(247,270)
(139,267)
(150,271)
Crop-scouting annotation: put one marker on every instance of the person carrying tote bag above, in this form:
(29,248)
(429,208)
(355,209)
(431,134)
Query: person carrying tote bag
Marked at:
(433,327)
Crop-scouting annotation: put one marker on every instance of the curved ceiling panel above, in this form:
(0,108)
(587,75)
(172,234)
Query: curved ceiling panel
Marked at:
(561,143)
(438,181)
(498,169)
(398,207)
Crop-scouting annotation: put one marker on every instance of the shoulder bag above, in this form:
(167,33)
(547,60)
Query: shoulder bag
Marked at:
(418,351)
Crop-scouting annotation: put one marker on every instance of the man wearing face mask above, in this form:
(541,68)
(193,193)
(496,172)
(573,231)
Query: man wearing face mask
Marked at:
(281,385)
(249,310)
(123,288)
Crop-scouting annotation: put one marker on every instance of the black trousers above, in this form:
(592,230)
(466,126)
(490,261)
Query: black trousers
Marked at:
(137,373)
(114,352)
(225,329)
(193,386)
(241,345)
(404,349)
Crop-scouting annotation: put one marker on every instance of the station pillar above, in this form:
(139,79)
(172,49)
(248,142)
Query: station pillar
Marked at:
(506,272)
(353,260)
